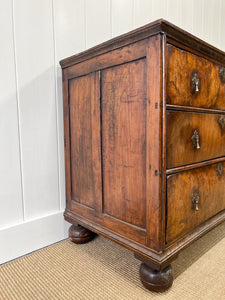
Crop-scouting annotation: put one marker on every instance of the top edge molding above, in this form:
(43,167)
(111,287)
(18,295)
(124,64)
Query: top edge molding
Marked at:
(160,26)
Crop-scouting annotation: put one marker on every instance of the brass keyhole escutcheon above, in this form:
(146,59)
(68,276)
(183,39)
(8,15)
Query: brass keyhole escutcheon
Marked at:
(222,74)
(219,168)
(196,139)
(195,201)
(221,121)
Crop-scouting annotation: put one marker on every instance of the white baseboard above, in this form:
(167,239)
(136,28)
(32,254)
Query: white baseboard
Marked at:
(23,238)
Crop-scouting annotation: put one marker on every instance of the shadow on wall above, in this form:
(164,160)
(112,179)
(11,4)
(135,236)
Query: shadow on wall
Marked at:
(59,105)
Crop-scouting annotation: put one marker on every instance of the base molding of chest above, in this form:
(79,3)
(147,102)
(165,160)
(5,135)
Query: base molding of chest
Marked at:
(159,259)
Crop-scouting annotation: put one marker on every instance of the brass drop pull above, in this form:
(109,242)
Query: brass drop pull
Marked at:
(196,139)
(195,201)
(221,121)
(195,82)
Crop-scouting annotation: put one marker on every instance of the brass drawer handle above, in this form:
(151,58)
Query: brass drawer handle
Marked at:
(221,121)
(196,139)
(195,201)
(195,82)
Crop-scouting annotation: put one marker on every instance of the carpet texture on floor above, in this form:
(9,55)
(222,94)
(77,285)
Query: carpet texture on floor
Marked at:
(102,269)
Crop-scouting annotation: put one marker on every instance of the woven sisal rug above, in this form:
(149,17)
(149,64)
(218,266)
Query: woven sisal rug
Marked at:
(103,270)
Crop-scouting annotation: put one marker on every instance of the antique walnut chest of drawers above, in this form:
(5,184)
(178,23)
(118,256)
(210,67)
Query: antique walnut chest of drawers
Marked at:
(144,123)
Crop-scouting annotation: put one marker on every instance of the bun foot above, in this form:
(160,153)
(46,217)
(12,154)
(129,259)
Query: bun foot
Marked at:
(154,280)
(80,235)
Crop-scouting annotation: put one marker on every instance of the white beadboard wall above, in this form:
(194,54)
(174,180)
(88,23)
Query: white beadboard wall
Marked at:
(35,35)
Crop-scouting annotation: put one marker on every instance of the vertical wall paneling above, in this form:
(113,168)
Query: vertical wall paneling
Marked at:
(98,26)
(11,209)
(70,30)
(198,18)
(222,26)
(174,12)
(122,16)
(187,14)
(60,163)
(35,69)
(143,12)
(211,21)
(159,8)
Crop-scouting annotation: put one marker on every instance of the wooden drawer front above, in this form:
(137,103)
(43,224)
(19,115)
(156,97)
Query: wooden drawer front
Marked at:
(184,70)
(183,188)
(183,129)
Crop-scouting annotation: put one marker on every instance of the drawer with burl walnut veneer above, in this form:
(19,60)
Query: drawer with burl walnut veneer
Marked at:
(193,197)
(194,137)
(194,81)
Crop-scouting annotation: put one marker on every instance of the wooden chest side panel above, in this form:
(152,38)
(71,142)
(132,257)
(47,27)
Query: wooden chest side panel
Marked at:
(180,69)
(85,144)
(124,142)
(180,129)
(208,183)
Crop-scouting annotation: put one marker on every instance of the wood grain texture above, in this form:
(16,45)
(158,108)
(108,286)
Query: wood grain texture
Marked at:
(154,201)
(111,224)
(180,128)
(124,141)
(85,140)
(182,218)
(179,71)
(120,56)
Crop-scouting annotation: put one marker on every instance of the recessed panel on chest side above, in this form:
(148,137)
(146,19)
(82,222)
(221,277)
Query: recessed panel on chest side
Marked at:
(85,140)
(124,141)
